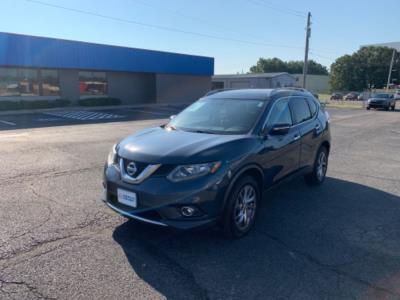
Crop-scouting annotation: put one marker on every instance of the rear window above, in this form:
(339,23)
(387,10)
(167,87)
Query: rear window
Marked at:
(300,109)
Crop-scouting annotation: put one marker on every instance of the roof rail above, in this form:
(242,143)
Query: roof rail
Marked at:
(294,88)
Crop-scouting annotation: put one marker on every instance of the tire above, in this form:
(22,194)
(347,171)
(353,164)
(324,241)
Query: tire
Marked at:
(394,107)
(317,176)
(368,108)
(238,219)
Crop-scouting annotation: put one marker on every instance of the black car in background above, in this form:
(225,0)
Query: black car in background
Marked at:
(382,100)
(351,96)
(212,162)
(336,96)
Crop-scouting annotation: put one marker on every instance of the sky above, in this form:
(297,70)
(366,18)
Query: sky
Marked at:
(235,32)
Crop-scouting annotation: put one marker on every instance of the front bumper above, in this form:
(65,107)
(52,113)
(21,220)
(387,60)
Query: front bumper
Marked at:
(378,105)
(160,201)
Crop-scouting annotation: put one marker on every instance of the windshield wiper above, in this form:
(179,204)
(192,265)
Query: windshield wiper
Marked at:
(202,131)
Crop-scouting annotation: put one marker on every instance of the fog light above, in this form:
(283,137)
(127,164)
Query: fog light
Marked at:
(187,211)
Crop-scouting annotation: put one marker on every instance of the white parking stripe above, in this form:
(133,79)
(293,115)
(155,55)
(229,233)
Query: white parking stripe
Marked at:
(8,123)
(84,115)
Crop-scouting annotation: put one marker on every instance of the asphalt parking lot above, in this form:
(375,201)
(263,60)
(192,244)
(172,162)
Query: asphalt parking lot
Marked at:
(58,241)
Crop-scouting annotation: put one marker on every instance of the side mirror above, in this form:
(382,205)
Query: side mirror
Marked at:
(171,117)
(280,129)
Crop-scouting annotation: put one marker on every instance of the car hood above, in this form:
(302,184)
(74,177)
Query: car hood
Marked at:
(158,145)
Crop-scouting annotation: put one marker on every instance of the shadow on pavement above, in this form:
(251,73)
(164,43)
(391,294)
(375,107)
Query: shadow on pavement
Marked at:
(340,240)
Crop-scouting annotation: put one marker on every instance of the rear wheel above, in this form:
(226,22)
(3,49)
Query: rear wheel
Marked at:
(317,176)
(368,108)
(241,210)
(394,107)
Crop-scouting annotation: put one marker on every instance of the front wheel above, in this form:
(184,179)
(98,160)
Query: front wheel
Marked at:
(241,209)
(368,108)
(317,176)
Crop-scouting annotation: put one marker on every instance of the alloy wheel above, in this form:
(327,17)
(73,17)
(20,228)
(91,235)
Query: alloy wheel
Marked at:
(322,164)
(245,207)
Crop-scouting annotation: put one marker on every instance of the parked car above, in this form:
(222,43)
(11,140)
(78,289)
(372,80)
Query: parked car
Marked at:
(351,96)
(397,95)
(382,100)
(364,96)
(336,96)
(211,163)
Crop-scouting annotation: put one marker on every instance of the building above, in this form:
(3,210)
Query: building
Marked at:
(46,68)
(253,80)
(394,45)
(315,83)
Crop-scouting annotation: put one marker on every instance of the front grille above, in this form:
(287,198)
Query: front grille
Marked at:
(139,165)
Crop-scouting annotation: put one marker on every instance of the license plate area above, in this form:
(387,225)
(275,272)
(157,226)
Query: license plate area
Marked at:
(127,198)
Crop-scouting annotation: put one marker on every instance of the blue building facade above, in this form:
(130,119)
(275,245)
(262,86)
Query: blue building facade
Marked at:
(33,67)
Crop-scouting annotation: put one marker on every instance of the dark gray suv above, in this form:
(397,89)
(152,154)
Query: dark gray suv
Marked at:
(211,163)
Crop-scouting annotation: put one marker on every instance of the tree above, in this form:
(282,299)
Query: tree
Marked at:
(367,67)
(266,65)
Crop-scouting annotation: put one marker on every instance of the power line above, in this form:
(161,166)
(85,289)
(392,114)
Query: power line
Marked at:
(304,14)
(195,18)
(165,28)
(280,9)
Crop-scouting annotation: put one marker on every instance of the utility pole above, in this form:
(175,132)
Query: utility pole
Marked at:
(390,69)
(308,34)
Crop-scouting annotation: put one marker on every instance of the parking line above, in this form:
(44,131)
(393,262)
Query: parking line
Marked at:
(8,123)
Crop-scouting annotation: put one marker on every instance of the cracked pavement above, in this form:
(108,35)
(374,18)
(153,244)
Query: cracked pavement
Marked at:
(338,241)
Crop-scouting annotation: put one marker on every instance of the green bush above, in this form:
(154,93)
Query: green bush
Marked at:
(99,101)
(33,104)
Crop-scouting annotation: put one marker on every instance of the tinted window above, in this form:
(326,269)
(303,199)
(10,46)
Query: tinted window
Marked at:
(50,85)
(19,82)
(223,116)
(280,113)
(313,106)
(92,83)
(301,111)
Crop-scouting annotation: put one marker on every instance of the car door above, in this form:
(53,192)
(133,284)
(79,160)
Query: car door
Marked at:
(281,152)
(304,115)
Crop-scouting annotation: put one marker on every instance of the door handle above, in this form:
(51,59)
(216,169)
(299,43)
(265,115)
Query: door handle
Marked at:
(317,127)
(296,137)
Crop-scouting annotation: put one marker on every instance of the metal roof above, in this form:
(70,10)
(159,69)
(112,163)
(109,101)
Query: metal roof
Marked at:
(394,45)
(251,75)
(31,51)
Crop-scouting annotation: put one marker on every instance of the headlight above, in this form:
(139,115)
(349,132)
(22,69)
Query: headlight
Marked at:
(193,171)
(112,156)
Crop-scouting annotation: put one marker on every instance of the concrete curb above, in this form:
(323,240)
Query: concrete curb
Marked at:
(89,108)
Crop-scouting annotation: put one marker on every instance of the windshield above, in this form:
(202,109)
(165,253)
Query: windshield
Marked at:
(220,116)
(381,96)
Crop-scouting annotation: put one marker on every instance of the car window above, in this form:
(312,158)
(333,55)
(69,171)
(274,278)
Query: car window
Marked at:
(280,113)
(301,111)
(313,106)
(220,116)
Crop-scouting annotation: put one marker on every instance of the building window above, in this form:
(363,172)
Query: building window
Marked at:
(19,82)
(92,83)
(50,83)
(217,85)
